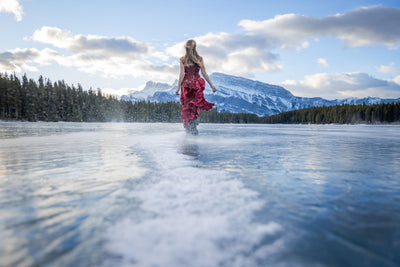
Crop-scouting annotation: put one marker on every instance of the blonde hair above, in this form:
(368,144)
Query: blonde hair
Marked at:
(191,57)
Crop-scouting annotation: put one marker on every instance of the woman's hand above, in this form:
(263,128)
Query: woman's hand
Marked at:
(177,92)
(214,89)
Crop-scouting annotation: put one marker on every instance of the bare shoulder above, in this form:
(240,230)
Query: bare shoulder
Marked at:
(201,60)
(182,59)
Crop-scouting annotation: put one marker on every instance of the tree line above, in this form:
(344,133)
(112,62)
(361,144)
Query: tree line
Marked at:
(29,100)
(341,114)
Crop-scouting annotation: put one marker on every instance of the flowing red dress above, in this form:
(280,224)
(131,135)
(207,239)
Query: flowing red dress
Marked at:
(192,96)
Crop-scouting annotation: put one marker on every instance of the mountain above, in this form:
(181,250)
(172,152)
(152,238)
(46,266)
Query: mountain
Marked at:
(149,90)
(240,95)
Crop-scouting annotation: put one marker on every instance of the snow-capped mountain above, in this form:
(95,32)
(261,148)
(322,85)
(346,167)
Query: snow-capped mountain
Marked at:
(240,95)
(149,90)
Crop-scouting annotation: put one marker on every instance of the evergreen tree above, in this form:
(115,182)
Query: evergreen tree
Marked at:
(3,96)
(46,101)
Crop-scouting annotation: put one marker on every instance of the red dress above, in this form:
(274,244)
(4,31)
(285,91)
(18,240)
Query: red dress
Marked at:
(192,96)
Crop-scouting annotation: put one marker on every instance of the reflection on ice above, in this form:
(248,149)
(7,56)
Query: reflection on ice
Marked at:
(190,147)
(82,194)
(191,216)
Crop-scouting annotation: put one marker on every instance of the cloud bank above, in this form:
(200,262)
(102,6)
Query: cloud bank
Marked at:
(12,6)
(110,56)
(366,26)
(107,47)
(342,85)
(18,60)
(253,49)
(114,57)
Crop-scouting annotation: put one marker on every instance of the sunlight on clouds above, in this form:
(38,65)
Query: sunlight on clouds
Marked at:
(253,50)
(397,79)
(92,44)
(27,59)
(249,60)
(18,59)
(289,83)
(366,26)
(387,69)
(226,52)
(12,6)
(382,92)
(238,54)
(160,55)
(304,45)
(336,86)
(54,36)
(110,56)
(117,68)
(323,62)
(286,29)
(317,81)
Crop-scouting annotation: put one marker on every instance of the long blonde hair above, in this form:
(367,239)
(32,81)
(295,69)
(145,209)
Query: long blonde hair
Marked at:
(191,57)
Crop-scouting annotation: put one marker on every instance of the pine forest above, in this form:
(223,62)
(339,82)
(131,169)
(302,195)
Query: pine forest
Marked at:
(29,100)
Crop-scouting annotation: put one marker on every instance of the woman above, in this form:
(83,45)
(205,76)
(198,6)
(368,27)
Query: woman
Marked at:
(192,86)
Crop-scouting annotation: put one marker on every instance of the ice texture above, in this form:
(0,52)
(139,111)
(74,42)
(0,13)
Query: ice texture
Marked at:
(116,194)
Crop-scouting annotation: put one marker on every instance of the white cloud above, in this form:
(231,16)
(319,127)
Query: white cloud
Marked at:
(117,67)
(239,54)
(323,62)
(24,59)
(109,56)
(397,79)
(387,69)
(375,25)
(100,46)
(54,36)
(251,50)
(12,6)
(342,85)
(114,57)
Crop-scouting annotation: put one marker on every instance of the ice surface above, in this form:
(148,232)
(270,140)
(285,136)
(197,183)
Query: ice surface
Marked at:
(190,216)
(88,194)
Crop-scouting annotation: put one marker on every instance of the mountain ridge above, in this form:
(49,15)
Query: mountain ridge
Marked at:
(242,95)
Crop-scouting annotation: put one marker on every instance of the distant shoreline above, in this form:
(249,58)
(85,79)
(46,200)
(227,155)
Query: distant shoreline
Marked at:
(396,123)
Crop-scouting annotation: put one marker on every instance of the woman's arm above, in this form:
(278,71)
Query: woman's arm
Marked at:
(205,75)
(181,75)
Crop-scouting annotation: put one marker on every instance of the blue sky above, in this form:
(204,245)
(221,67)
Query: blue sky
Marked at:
(331,49)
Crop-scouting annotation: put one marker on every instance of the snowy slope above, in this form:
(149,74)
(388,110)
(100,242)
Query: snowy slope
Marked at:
(240,95)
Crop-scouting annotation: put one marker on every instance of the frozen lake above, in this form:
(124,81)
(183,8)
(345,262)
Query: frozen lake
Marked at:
(80,194)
